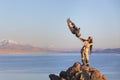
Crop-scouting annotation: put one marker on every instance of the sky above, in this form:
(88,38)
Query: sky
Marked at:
(42,23)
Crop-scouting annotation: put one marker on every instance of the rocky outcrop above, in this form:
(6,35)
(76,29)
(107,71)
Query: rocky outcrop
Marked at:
(79,72)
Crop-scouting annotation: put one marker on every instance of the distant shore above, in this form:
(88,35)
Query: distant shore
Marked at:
(13,51)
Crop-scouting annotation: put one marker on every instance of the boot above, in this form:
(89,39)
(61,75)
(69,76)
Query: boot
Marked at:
(83,63)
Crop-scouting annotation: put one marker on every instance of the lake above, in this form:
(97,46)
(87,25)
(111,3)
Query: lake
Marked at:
(39,66)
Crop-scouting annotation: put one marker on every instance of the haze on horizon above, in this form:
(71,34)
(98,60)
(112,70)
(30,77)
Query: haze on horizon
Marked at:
(43,22)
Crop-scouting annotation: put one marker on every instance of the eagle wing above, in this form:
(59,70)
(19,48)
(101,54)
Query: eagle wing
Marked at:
(73,28)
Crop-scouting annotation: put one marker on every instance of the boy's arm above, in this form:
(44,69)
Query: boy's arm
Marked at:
(80,37)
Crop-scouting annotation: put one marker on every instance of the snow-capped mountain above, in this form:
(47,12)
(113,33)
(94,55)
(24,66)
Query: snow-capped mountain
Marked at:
(5,42)
(11,46)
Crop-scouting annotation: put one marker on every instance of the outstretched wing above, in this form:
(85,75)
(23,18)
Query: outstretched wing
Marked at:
(75,30)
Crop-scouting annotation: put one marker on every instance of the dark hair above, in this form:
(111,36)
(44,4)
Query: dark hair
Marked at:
(91,41)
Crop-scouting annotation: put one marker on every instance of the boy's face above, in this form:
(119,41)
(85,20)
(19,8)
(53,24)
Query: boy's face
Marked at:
(89,38)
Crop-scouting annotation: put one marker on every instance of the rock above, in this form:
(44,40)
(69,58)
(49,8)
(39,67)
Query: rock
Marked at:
(54,77)
(63,74)
(79,72)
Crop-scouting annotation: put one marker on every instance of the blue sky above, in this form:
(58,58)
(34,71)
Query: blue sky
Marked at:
(43,22)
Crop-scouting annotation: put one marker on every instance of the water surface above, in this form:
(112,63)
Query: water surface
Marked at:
(39,66)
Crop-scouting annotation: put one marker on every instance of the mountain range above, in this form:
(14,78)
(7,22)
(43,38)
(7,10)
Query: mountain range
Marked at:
(11,46)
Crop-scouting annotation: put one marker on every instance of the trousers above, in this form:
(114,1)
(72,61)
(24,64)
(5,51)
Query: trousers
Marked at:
(85,56)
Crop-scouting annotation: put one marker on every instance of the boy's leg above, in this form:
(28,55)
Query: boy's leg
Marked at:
(87,58)
(83,57)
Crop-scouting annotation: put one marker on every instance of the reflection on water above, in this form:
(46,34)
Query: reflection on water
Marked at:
(39,66)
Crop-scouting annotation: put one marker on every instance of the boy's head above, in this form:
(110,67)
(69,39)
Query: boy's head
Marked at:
(90,39)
